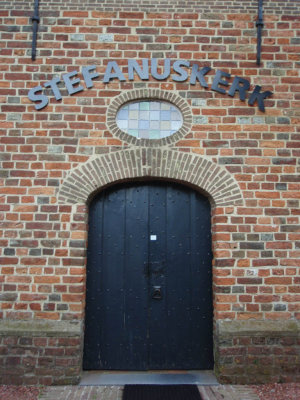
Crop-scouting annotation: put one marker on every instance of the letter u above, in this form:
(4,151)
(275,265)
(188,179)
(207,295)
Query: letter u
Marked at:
(167,69)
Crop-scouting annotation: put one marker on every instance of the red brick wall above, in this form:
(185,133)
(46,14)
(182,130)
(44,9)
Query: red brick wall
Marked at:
(256,242)
(39,359)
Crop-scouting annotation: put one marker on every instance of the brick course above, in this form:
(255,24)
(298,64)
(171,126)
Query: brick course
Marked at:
(246,161)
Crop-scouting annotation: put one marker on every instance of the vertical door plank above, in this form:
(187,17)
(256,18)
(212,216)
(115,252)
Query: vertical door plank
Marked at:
(91,356)
(201,293)
(158,339)
(135,277)
(111,296)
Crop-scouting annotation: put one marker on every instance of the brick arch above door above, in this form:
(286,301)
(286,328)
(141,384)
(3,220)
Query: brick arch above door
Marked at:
(202,173)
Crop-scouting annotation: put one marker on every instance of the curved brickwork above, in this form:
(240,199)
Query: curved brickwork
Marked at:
(149,94)
(83,181)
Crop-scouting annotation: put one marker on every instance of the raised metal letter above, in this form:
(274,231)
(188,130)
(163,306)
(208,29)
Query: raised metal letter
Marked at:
(218,81)
(38,97)
(87,76)
(53,85)
(167,69)
(110,75)
(196,74)
(236,87)
(134,66)
(183,75)
(70,83)
(256,95)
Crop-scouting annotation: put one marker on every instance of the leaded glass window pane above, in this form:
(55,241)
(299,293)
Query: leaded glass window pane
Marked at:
(149,119)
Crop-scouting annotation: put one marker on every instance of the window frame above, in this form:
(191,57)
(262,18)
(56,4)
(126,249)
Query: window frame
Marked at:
(149,95)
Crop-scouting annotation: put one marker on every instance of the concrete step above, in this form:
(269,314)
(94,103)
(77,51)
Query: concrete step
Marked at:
(215,392)
(98,378)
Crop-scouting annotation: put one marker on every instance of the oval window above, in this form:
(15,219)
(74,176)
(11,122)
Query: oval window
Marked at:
(147,119)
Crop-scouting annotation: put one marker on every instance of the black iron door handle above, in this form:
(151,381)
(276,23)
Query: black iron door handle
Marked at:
(156,293)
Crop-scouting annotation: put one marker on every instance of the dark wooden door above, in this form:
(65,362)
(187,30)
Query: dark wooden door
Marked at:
(149,299)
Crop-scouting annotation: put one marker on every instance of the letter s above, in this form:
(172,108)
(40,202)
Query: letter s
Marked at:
(183,75)
(38,97)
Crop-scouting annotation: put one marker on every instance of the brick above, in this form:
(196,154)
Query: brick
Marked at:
(278,281)
(131,15)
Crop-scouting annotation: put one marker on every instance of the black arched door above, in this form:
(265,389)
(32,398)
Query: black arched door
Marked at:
(149,296)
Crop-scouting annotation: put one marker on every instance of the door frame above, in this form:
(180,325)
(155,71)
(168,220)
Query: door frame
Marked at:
(202,173)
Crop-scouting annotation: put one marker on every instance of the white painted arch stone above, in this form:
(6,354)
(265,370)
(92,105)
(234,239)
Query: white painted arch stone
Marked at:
(152,163)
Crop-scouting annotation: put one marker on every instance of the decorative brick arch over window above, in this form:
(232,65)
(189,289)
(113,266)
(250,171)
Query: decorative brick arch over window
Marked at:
(150,95)
(144,163)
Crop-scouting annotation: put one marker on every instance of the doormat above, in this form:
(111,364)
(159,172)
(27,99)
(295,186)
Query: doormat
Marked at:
(161,392)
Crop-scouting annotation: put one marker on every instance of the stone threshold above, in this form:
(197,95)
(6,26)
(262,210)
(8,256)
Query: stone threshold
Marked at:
(120,378)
